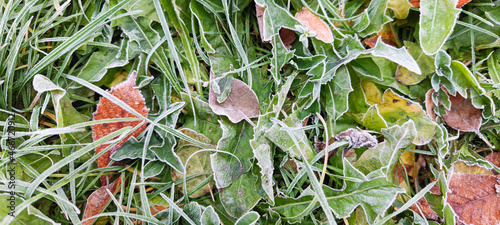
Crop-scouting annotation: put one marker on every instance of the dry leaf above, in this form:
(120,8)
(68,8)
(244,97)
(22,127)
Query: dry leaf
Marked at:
(127,92)
(259,10)
(241,103)
(426,210)
(98,199)
(287,36)
(429,105)
(474,198)
(314,23)
(460,3)
(387,34)
(464,116)
(357,138)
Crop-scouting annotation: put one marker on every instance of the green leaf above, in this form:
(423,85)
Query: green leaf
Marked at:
(385,155)
(199,163)
(235,140)
(281,138)
(99,63)
(249,218)
(336,93)
(132,149)
(65,113)
(276,17)
(397,55)
(400,8)
(375,195)
(28,216)
(376,12)
(281,55)
(494,66)
(425,62)
(241,196)
(209,217)
(437,20)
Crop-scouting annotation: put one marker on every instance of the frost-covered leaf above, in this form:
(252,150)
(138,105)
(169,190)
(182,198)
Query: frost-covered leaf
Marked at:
(241,196)
(376,13)
(235,140)
(376,197)
(30,215)
(293,141)
(315,25)
(437,20)
(397,110)
(281,56)
(102,60)
(240,104)
(199,163)
(425,62)
(106,109)
(209,217)
(397,55)
(336,93)
(400,8)
(357,138)
(386,154)
(249,218)
(98,199)
(275,17)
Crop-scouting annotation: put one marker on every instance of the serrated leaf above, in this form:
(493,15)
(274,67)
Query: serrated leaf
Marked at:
(282,139)
(276,17)
(437,20)
(375,195)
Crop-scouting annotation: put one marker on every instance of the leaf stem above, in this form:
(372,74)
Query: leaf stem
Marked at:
(326,149)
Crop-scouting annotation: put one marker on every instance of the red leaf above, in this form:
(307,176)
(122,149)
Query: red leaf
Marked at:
(98,199)
(460,3)
(127,92)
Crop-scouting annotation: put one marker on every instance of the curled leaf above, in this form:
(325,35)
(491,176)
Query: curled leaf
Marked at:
(98,199)
(106,109)
(240,104)
(357,138)
(315,24)
(287,36)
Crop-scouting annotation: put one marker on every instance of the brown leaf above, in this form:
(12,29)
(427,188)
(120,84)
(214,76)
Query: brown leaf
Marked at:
(474,198)
(241,103)
(464,116)
(427,212)
(287,36)
(494,158)
(314,23)
(127,92)
(429,104)
(357,138)
(259,11)
(98,199)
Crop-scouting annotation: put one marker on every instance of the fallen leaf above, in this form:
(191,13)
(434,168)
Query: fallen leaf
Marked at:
(199,163)
(494,158)
(241,103)
(259,11)
(98,199)
(429,105)
(372,41)
(424,209)
(474,198)
(315,24)
(287,36)
(357,138)
(460,3)
(106,109)
(464,116)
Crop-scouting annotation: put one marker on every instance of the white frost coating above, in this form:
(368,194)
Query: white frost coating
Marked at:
(437,20)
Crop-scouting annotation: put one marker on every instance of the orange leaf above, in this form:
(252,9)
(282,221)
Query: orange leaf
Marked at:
(314,23)
(127,92)
(98,199)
